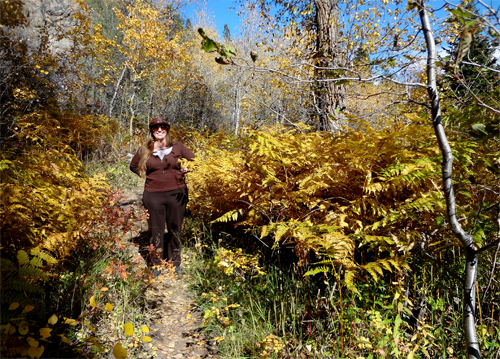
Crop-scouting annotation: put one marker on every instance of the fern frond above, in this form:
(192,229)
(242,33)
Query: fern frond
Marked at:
(32,272)
(229,216)
(318,270)
(22,257)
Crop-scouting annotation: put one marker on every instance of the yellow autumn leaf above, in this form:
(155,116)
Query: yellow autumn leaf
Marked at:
(13,306)
(69,321)
(45,332)
(28,308)
(219,339)
(129,329)
(35,352)
(104,289)
(65,340)
(32,342)
(119,352)
(92,302)
(23,328)
(89,326)
(109,307)
(53,319)
(146,339)
(145,329)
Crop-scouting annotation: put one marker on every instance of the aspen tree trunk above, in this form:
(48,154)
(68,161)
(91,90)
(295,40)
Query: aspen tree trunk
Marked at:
(117,87)
(237,108)
(471,265)
(331,97)
(131,128)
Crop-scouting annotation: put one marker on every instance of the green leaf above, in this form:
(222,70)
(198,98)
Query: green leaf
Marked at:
(460,14)
(470,23)
(229,50)
(4,164)
(334,73)
(397,323)
(479,129)
(208,45)
(341,82)
(493,32)
(318,54)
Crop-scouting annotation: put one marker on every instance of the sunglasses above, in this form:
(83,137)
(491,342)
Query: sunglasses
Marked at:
(156,127)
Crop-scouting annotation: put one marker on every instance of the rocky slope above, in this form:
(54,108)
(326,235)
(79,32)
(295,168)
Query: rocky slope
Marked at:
(50,18)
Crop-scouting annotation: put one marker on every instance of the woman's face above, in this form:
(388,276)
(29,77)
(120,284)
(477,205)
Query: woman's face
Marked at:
(159,132)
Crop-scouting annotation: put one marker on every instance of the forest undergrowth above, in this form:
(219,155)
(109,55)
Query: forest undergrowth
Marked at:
(304,242)
(294,256)
(311,244)
(72,281)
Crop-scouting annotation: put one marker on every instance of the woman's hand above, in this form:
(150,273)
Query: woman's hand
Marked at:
(184,170)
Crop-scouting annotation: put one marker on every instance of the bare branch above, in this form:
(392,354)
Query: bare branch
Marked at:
(481,66)
(358,78)
(480,102)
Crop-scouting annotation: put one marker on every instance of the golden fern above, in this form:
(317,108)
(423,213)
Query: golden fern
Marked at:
(362,191)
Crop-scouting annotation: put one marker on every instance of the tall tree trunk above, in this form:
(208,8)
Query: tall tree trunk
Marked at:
(131,123)
(117,87)
(237,108)
(471,265)
(332,98)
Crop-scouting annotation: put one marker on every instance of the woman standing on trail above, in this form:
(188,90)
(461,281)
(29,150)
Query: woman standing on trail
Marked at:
(165,193)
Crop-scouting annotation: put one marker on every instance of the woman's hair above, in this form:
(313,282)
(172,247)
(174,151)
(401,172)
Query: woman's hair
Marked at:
(147,150)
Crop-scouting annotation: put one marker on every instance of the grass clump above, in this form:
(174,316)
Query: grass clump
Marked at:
(277,312)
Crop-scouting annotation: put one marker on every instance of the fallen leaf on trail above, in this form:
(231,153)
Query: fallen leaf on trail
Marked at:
(129,329)
(119,352)
(92,302)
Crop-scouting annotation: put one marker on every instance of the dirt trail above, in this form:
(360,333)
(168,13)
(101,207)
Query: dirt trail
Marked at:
(174,323)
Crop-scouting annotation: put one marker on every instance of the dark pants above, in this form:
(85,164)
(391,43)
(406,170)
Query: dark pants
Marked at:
(166,207)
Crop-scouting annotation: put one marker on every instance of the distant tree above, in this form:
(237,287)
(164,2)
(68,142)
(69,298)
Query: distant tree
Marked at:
(476,74)
(226,34)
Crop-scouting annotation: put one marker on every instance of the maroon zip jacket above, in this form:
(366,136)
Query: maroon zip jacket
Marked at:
(163,175)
